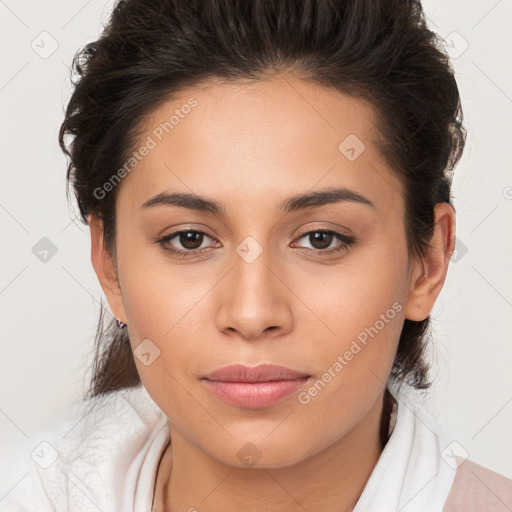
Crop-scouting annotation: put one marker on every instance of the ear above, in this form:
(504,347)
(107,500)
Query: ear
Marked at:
(428,275)
(105,269)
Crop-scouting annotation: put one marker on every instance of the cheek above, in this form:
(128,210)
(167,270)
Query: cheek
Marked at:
(366,291)
(159,295)
(169,308)
(165,313)
(361,308)
(353,363)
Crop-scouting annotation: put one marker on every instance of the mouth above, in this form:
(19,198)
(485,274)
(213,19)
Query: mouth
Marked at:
(254,387)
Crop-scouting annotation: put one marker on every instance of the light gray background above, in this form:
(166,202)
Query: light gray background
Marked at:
(49,310)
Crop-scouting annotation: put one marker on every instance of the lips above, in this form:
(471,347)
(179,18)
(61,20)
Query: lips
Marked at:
(254,387)
(261,373)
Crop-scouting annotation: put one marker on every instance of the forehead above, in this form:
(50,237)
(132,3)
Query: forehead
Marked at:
(260,140)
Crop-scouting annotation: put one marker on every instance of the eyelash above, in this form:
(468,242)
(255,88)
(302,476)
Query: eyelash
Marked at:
(345,240)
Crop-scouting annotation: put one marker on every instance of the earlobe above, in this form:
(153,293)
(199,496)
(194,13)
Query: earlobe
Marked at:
(429,274)
(104,268)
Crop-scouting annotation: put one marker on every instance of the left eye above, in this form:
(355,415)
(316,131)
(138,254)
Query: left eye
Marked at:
(321,240)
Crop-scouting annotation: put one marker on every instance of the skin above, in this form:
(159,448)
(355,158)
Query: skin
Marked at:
(251,147)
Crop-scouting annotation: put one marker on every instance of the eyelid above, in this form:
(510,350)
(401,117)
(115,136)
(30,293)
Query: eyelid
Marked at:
(323,227)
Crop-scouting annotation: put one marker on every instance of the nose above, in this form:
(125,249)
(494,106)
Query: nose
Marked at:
(255,300)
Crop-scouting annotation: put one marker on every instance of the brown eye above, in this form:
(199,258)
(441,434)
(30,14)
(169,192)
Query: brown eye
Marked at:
(185,243)
(190,239)
(320,239)
(326,241)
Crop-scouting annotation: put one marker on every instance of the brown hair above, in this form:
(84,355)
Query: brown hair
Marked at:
(380,50)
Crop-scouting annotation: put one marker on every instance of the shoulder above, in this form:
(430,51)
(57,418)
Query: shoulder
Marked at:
(84,458)
(476,488)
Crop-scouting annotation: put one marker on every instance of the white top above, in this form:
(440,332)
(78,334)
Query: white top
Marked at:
(106,461)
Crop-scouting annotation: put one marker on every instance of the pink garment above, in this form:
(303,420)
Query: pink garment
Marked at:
(478,489)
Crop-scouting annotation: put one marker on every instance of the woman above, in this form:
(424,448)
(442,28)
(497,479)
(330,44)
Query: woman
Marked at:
(267,186)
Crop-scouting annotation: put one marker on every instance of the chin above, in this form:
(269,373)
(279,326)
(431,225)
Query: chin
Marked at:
(261,452)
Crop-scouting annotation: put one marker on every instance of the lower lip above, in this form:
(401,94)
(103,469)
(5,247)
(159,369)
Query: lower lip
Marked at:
(255,395)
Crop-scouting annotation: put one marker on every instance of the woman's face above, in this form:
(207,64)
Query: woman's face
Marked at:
(295,256)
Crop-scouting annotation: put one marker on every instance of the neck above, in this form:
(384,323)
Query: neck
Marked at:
(331,480)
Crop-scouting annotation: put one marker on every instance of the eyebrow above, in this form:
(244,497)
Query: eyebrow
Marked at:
(292,204)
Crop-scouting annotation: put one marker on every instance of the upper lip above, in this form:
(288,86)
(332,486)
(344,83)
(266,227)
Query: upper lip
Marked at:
(260,373)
